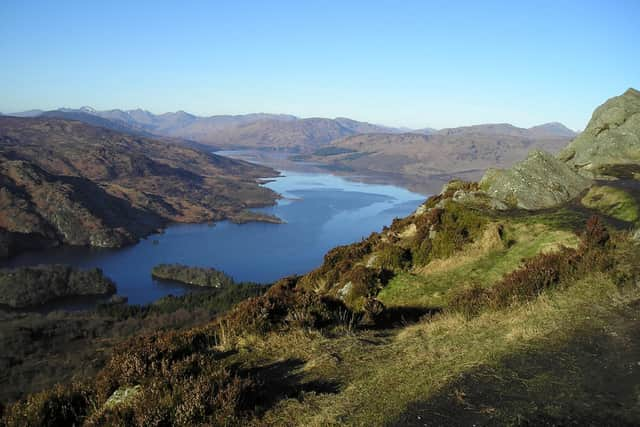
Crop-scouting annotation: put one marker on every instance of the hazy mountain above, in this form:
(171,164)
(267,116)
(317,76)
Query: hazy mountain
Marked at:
(28,113)
(259,130)
(423,131)
(427,161)
(95,120)
(383,150)
(553,129)
(299,134)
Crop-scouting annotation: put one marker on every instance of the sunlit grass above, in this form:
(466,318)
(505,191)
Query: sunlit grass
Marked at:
(429,287)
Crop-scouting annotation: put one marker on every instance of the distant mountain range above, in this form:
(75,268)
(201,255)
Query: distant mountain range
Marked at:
(260,130)
(426,161)
(273,131)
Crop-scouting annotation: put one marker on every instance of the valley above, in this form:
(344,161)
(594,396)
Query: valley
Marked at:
(320,214)
(318,211)
(421,159)
(510,300)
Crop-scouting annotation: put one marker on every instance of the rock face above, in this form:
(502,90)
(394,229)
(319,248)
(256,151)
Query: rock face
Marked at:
(612,138)
(538,182)
(609,148)
(198,276)
(30,286)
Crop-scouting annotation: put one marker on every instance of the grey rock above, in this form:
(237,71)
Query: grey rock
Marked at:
(540,181)
(612,138)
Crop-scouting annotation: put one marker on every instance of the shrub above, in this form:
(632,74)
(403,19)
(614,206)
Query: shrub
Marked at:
(365,282)
(420,253)
(285,305)
(373,310)
(537,274)
(469,300)
(595,234)
(541,272)
(59,406)
(393,257)
(214,397)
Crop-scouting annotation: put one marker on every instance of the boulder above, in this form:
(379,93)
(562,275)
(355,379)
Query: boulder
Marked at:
(610,141)
(540,181)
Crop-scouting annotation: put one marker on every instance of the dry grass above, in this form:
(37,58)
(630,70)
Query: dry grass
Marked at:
(483,262)
(491,240)
(381,379)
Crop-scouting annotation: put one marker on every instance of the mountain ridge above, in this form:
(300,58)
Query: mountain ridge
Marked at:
(260,130)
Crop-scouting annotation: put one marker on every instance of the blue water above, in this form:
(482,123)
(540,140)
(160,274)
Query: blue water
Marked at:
(320,212)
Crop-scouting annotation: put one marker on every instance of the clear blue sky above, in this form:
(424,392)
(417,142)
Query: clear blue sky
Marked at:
(402,63)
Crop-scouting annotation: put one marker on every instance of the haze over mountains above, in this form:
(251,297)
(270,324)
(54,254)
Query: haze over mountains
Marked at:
(261,130)
(426,162)
(258,130)
(421,159)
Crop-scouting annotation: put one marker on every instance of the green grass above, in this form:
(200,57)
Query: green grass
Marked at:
(613,202)
(381,375)
(564,218)
(431,289)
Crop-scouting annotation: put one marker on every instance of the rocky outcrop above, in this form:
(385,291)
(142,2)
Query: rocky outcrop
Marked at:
(611,139)
(540,181)
(31,286)
(609,148)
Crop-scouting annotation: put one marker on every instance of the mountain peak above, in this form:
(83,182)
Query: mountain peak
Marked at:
(553,129)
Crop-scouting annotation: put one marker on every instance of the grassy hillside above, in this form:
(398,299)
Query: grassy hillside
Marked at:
(552,318)
(471,311)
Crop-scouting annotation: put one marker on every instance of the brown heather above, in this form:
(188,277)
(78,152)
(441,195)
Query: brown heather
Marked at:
(542,272)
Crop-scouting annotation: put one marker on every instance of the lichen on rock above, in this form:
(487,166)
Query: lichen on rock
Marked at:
(540,181)
(612,137)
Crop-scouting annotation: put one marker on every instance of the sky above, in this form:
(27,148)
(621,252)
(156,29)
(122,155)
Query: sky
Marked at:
(400,63)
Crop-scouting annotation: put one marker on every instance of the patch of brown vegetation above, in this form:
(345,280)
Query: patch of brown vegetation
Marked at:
(542,272)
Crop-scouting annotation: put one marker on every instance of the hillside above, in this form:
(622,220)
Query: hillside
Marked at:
(69,182)
(423,160)
(264,131)
(426,162)
(474,310)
